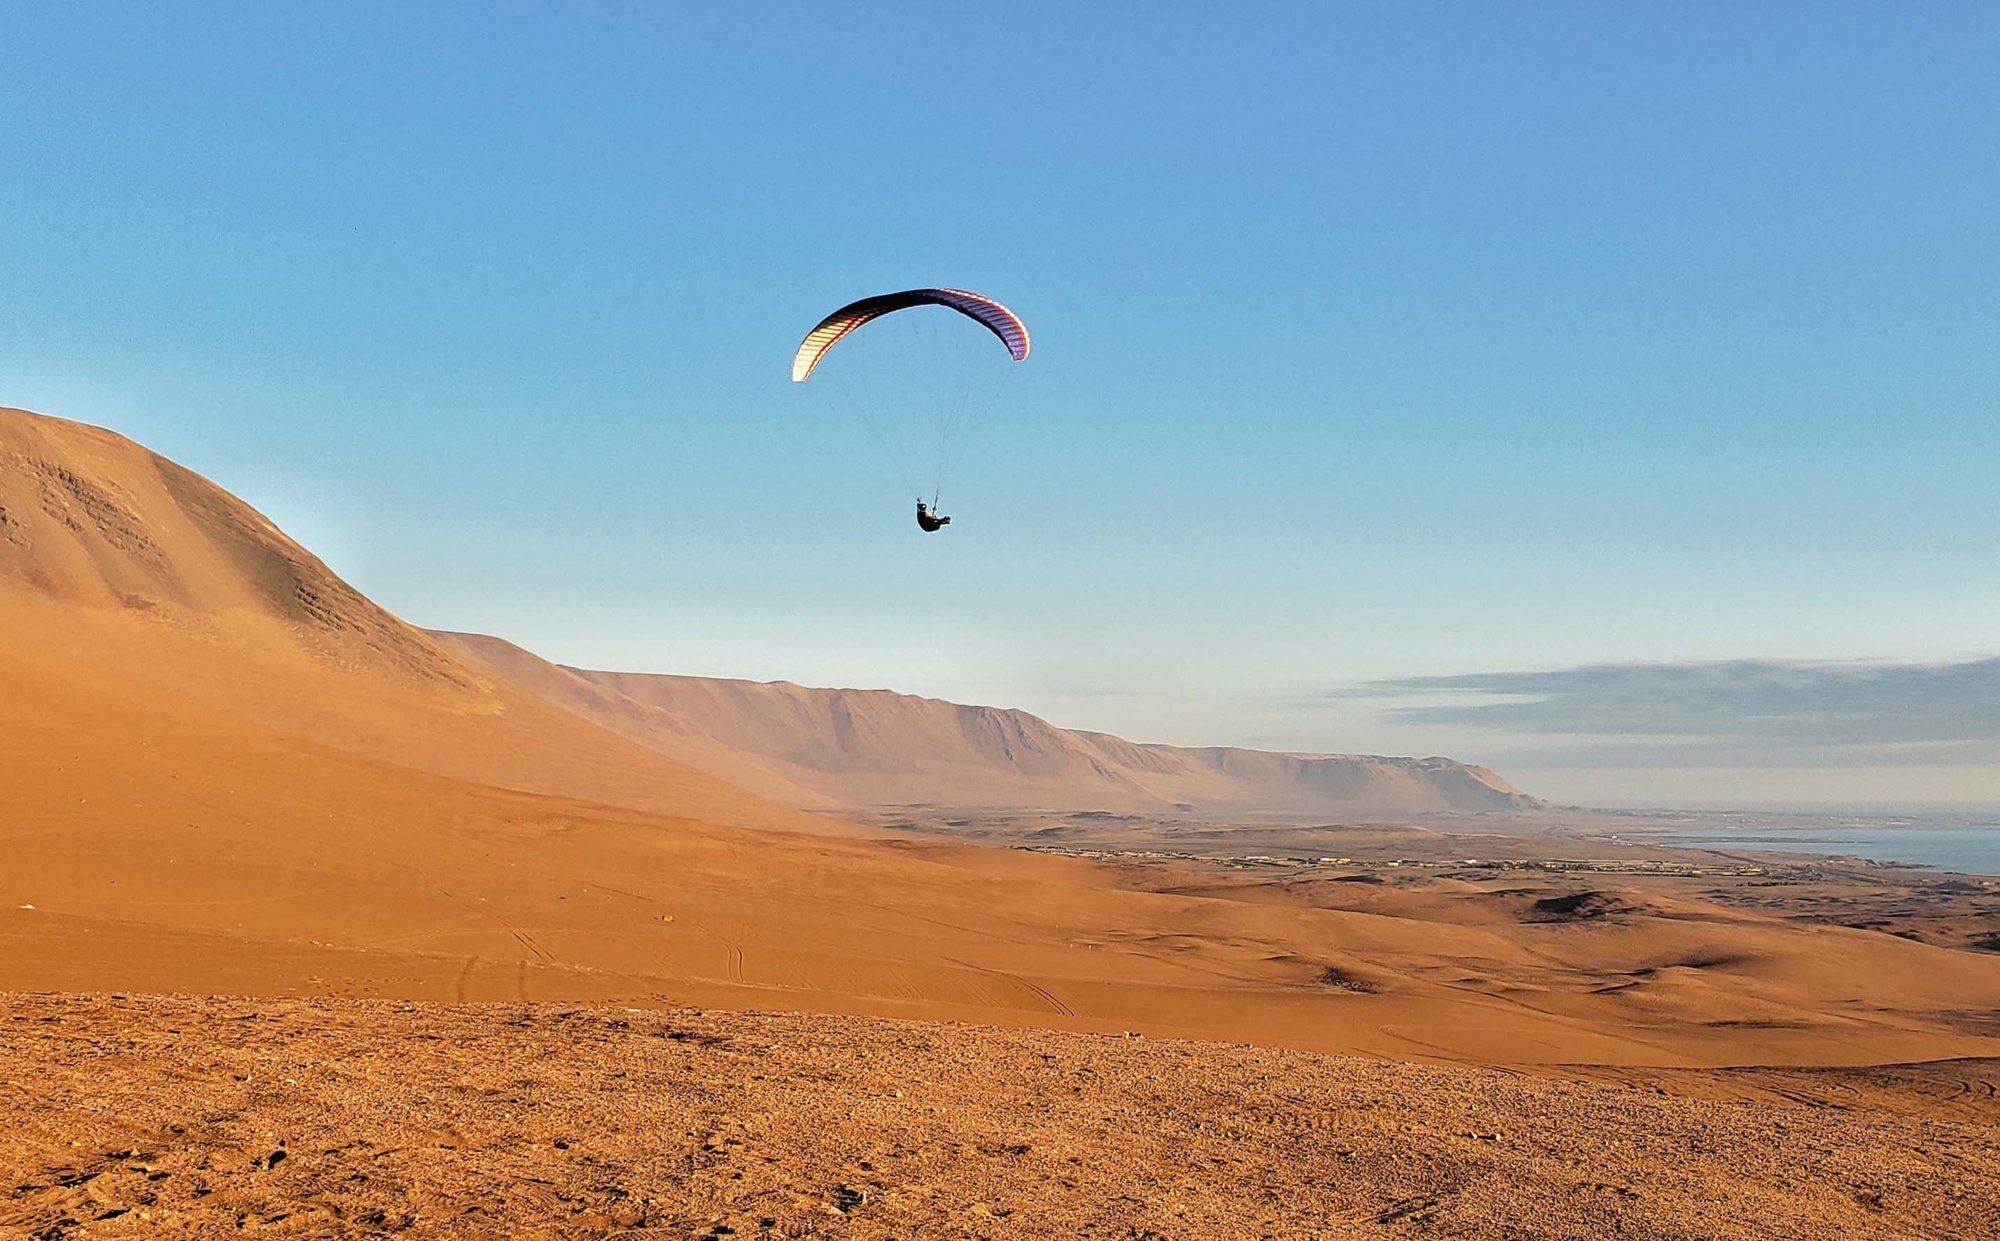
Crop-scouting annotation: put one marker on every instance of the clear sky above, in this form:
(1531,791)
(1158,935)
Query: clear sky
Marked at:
(1372,344)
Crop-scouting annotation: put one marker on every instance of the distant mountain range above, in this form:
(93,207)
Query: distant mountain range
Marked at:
(878,748)
(170,582)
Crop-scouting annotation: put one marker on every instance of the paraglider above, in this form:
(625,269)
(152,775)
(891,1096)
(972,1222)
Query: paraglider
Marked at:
(996,318)
(936,419)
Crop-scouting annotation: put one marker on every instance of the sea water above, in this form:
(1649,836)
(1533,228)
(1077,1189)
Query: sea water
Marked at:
(1970,848)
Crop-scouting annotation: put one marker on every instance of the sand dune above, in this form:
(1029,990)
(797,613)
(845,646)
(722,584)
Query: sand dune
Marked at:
(227,772)
(877,748)
(129,576)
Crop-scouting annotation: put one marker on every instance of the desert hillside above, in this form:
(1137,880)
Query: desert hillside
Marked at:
(128,579)
(226,772)
(92,520)
(877,748)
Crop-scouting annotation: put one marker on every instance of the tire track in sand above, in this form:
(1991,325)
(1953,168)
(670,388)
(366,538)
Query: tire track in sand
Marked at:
(1048,997)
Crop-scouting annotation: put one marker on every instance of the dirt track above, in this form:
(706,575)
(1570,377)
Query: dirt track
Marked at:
(169,1116)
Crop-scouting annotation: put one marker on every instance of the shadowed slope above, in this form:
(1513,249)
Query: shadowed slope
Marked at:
(137,578)
(874,747)
(90,518)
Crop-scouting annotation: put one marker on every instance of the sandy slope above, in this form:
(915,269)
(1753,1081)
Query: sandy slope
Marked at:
(225,771)
(197,852)
(124,575)
(131,1117)
(874,747)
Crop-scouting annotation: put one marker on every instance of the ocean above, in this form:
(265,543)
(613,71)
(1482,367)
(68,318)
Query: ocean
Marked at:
(1970,848)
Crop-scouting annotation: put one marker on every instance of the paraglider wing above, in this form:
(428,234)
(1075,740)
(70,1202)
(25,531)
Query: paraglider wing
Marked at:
(991,314)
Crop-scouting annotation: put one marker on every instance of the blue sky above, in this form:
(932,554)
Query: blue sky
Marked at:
(1372,343)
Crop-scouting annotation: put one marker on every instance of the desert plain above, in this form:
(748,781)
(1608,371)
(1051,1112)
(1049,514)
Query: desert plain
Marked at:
(317,923)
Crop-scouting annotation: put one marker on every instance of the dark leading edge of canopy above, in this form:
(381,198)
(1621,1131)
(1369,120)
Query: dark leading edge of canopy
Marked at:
(996,318)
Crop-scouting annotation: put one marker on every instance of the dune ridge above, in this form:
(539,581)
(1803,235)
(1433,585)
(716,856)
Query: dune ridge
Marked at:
(129,578)
(87,517)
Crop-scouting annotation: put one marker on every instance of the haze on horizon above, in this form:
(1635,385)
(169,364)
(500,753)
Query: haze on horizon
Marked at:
(1601,395)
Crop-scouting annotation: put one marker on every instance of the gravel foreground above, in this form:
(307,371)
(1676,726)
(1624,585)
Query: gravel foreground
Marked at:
(174,1116)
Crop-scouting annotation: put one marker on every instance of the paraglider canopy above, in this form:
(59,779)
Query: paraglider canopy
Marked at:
(996,318)
(921,392)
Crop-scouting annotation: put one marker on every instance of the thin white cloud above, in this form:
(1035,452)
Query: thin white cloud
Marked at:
(1673,713)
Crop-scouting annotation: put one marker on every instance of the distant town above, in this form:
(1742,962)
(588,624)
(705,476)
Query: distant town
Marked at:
(1595,866)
